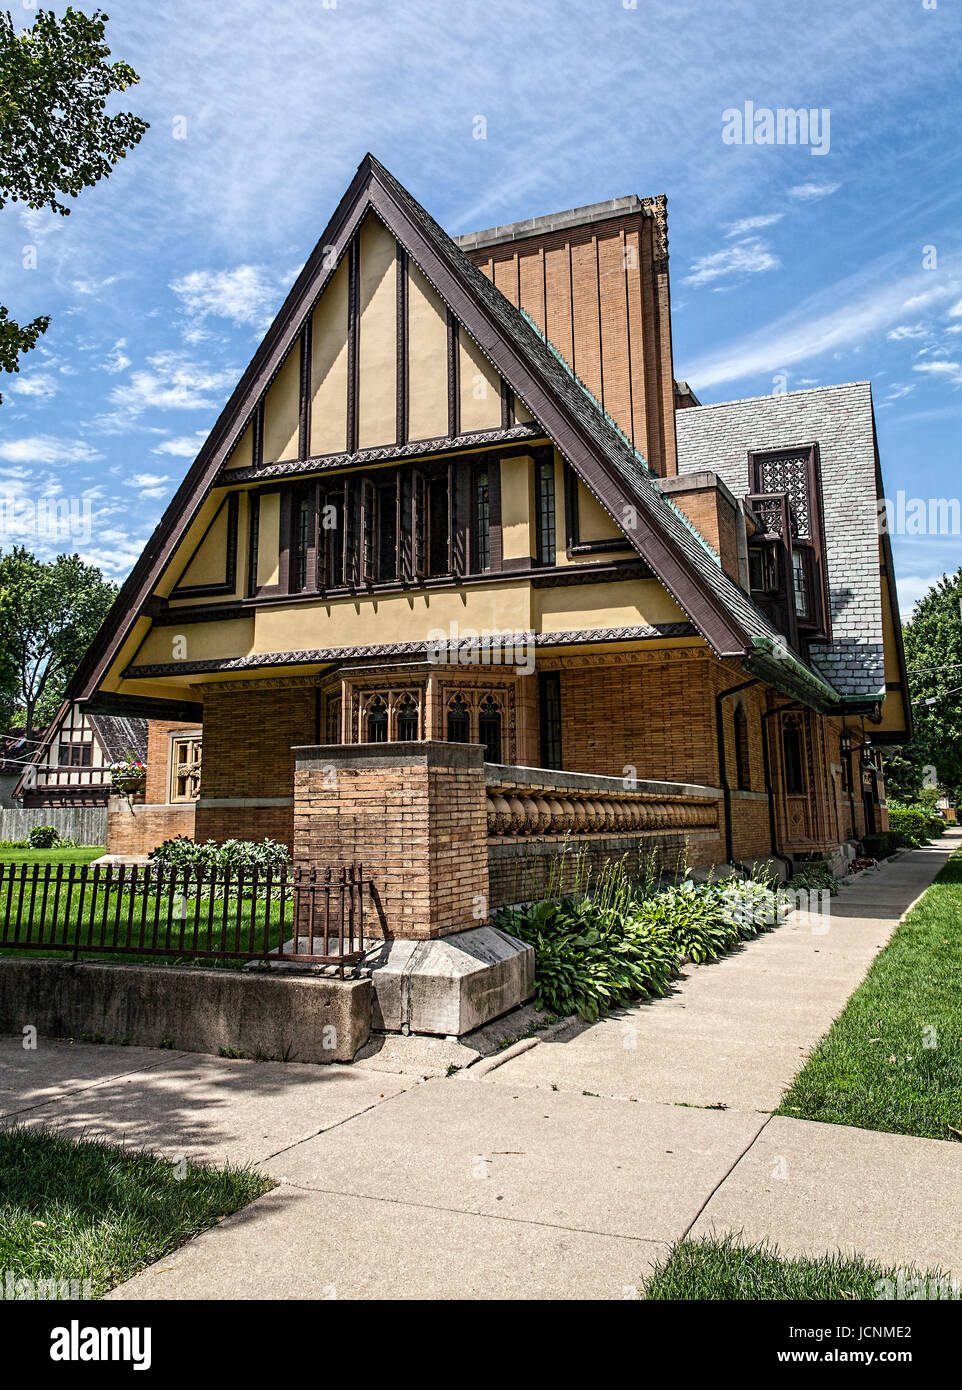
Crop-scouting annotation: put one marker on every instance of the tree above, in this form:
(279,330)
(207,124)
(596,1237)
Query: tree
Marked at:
(54,136)
(49,614)
(933,656)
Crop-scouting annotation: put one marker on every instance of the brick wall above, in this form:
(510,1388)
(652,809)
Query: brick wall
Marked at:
(655,715)
(136,827)
(157,789)
(600,293)
(413,814)
(248,737)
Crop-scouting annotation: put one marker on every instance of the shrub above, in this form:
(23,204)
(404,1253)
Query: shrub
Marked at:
(816,876)
(42,836)
(184,853)
(880,846)
(594,953)
(910,824)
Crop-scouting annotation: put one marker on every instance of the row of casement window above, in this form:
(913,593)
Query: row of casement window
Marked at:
(399,525)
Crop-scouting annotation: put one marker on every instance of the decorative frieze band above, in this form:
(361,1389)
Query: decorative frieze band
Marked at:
(520,811)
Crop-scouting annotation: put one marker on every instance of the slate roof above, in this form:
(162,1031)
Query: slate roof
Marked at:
(840,419)
(121,737)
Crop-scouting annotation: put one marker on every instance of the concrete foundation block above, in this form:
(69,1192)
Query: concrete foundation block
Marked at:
(449,985)
(192,1010)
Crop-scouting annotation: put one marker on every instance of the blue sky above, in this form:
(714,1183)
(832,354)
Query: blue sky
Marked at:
(788,267)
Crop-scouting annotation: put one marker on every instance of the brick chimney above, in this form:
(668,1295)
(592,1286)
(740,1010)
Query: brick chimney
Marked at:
(595,281)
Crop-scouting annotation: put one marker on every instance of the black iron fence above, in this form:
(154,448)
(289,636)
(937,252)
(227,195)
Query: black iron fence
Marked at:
(307,915)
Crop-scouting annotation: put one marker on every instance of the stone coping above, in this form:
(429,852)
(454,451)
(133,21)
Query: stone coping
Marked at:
(542,778)
(416,753)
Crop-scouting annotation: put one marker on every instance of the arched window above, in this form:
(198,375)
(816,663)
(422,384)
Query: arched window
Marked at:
(459,720)
(407,719)
(489,729)
(376,720)
(792,756)
(743,769)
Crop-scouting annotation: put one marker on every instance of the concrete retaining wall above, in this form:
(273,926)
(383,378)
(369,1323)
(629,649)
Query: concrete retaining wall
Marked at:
(256,1014)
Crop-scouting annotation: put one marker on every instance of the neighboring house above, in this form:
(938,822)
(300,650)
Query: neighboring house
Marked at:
(71,765)
(15,750)
(441,439)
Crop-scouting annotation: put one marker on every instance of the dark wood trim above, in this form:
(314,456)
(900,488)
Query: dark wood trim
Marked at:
(454,378)
(612,547)
(574,547)
(495,546)
(507,405)
(385,453)
(304,409)
(257,437)
(550,577)
(138,707)
(403,345)
(573,637)
(353,314)
(229,583)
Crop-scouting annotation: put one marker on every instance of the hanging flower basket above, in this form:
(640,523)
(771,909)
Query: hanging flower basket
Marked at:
(128,777)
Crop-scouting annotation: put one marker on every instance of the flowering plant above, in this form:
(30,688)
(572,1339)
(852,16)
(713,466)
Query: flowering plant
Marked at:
(128,774)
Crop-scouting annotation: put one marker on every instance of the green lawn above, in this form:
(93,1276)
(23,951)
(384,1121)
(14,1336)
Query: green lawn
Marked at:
(80,854)
(74,1211)
(893,1059)
(723,1268)
(55,910)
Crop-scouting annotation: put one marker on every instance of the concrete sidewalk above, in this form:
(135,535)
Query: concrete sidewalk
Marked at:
(566,1171)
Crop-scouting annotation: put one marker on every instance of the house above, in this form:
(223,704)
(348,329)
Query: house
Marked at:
(459,498)
(70,765)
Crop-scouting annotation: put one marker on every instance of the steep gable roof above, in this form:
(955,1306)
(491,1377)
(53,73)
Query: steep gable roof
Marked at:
(600,454)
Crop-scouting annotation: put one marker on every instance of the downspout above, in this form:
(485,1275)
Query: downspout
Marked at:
(723,761)
(770,787)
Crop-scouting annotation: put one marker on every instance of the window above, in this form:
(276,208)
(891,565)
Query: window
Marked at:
(255,514)
(482,520)
(304,547)
(801,580)
(185,765)
(792,756)
(332,721)
(544,494)
(489,729)
(407,719)
(549,701)
(438,561)
(743,771)
(787,493)
(75,754)
(331,539)
(387,530)
(376,720)
(459,720)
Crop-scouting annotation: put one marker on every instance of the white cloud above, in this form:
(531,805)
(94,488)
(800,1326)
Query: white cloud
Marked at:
(840,316)
(751,224)
(952,371)
(185,446)
(46,449)
(248,294)
(805,192)
(173,382)
(906,330)
(40,385)
(746,257)
(911,588)
(116,359)
(956,310)
(143,480)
